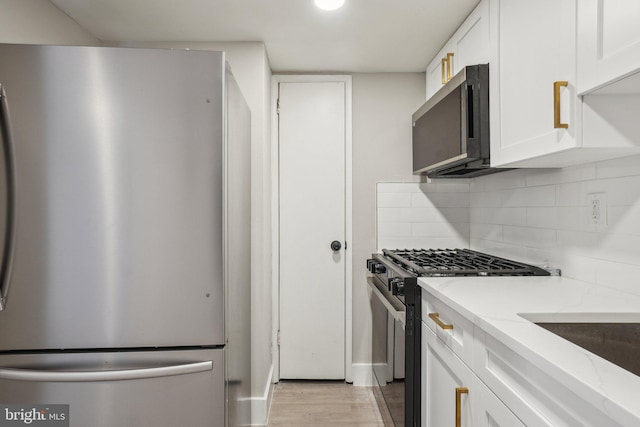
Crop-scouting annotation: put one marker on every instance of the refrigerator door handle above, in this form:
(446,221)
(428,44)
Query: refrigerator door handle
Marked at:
(9,244)
(116,375)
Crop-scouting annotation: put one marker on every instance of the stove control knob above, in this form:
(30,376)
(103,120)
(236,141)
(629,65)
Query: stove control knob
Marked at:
(379,268)
(397,286)
(370,264)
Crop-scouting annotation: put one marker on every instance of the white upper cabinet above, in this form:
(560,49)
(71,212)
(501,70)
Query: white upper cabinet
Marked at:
(564,78)
(439,71)
(538,118)
(468,46)
(534,107)
(608,43)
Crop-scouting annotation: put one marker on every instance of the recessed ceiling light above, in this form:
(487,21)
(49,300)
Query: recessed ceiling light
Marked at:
(329,4)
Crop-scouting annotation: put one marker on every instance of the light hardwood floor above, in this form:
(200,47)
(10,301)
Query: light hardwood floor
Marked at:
(323,403)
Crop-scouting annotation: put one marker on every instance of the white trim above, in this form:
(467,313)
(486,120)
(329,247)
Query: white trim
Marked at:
(363,375)
(260,406)
(275,81)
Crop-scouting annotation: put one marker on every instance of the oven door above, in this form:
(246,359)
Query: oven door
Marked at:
(388,353)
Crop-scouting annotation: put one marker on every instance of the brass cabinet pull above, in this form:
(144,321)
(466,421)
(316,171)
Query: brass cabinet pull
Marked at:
(436,318)
(443,65)
(459,392)
(556,105)
(449,66)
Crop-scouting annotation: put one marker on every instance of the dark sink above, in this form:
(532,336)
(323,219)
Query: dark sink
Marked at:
(619,343)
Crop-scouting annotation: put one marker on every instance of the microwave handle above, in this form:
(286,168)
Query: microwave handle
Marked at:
(471,121)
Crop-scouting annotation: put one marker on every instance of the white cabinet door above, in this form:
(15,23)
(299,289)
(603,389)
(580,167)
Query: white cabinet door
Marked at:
(609,41)
(470,43)
(468,46)
(533,46)
(447,384)
(489,411)
(439,70)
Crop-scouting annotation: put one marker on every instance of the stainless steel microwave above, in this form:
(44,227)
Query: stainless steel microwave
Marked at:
(451,130)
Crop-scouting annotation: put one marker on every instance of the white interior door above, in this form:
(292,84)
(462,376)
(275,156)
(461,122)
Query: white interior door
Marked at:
(312,139)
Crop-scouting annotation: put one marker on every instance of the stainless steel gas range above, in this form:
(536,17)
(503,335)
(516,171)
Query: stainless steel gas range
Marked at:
(394,282)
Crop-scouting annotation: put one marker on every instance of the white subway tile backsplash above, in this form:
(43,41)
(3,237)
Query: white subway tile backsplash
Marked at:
(426,215)
(537,177)
(620,191)
(505,180)
(623,219)
(573,194)
(572,218)
(540,238)
(441,200)
(398,187)
(622,248)
(486,232)
(421,242)
(394,200)
(486,199)
(399,229)
(545,217)
(391,214)
(438,215)
(576,266)
(452,186)
(625,166)
(532,215)
(531,196)
(617,275)
(440,230)
(421,200)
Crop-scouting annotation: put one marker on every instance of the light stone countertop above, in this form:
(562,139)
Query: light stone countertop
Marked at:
(495,305)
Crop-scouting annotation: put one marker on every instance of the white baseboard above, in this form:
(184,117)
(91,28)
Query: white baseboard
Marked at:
(260,405)
(362,374)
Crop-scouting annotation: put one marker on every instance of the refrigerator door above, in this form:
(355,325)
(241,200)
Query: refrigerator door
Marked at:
(126,389)
(118,177)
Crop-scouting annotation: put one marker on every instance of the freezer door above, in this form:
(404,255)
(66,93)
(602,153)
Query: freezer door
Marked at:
(118,175)
(125,389)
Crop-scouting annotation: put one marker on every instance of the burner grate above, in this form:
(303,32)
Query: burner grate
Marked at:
(459,262)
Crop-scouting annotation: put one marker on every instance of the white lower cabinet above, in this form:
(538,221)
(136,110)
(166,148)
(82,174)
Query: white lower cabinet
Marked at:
(448,383)
(467,371)
(489,411)
(453,395)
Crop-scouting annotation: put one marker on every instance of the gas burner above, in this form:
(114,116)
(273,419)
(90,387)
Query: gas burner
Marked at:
(459,262)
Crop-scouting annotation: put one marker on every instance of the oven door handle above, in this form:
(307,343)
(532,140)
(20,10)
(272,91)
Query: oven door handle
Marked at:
(391,303)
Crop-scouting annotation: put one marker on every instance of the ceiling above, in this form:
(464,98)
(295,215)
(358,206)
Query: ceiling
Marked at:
(363,36)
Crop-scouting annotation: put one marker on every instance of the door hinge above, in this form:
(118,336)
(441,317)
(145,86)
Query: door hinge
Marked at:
(278,106)
(278,338)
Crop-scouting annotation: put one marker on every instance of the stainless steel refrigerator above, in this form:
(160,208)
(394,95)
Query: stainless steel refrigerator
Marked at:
(124,230)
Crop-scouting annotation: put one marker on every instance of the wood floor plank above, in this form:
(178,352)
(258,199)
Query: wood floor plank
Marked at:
(323,403)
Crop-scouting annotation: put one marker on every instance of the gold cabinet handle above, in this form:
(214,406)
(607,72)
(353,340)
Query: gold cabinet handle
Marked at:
(459,392)
(449,66)
(556,105)
(436,318)
(443,66)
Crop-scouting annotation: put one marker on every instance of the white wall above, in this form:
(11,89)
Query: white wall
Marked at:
(382,109)
(540,216)
(39,22)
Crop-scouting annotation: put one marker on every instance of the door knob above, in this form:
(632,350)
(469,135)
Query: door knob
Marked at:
(336,245)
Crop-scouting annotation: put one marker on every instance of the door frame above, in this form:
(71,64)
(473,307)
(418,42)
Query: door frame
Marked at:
(276,79)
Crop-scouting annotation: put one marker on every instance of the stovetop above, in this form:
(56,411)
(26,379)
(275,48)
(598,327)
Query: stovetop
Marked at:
(458,262)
